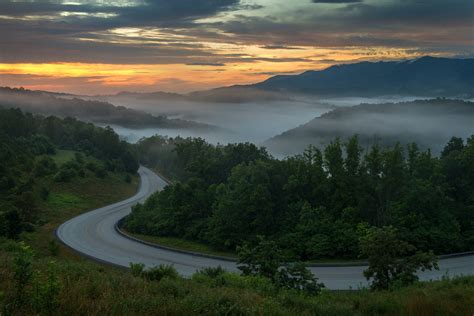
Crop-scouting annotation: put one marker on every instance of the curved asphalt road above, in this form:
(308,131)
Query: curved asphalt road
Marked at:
(93,234)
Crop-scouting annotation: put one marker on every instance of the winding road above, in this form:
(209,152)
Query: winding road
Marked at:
(93,234)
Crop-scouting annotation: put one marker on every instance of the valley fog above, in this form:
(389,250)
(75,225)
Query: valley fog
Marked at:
(239,122)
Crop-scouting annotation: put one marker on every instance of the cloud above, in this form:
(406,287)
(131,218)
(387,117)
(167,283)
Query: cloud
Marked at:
(231,34)
(279,46)
(336,1)
(205,64)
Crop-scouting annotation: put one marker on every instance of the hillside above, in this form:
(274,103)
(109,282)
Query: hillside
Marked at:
(44,103)
(426,76)
(430,123)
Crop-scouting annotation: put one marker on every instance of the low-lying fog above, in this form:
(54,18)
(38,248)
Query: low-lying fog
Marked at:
(240,122)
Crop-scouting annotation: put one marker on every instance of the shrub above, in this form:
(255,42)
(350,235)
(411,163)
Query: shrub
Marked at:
(212,272)
(23,272)
(47,292)
(137,269)
(65,175)
(100,172)
(159,272)
(45,166)
(267,260)
(53,247)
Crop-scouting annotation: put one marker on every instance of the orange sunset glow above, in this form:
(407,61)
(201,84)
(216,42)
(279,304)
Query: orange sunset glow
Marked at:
(94,47)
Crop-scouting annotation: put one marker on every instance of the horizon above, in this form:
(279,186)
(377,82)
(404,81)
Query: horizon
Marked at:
(184,93)
(90,47)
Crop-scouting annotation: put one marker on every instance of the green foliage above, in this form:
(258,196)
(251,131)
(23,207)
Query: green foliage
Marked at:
(312,204)
(297,277)
(212,272)
(137,269)
(156,273)
(46,299)
(267,260)
(53,247)
(37,153)
(23,273)
(159,272)
(391,260)
(80,287)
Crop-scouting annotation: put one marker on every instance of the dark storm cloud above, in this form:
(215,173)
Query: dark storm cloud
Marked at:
(396,23)
(40,31)
(35,31)
(156,12)
(163,12)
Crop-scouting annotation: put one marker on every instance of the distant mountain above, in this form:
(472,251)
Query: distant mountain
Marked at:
(65,105)
(426,76)
(234,94)
(430,123)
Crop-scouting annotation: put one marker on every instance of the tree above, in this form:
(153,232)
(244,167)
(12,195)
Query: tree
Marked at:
(264,259)
(267,259)
(392,261)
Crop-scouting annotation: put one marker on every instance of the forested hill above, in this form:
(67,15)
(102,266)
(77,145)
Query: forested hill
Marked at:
(32,162)
(94,111)
(316,205)
(426,76)
(430,123)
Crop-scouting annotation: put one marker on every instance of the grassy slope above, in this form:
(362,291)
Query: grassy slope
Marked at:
(182,244)
(70,199)
(89,288)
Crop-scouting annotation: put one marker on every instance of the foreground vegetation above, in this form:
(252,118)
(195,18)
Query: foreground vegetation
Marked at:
(316,205)
(49,175)
(61,286)
(41,157)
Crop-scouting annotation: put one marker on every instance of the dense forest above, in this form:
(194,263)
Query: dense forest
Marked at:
(28,145)
(314,205)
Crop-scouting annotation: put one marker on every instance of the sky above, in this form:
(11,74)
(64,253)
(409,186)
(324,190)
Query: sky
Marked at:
(107,46)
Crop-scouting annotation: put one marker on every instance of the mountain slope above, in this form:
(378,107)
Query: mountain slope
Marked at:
(427,76)
(45,103)
(430,123)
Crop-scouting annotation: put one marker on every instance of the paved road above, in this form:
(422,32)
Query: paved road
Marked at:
(93,234)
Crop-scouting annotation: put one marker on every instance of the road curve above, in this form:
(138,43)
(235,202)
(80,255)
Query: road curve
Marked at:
(93,234)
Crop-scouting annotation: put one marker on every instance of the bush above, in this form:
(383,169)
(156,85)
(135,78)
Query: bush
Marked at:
(267,260)
(23,272)
(100,172)
(91,166)
(137,269)
(53,247)
(45,166)
(47,292)
(212,272)
(44,193)
(65,175)
(159,272)
(154,274)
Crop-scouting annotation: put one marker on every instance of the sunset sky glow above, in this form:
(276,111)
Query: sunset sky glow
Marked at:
(107,46)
